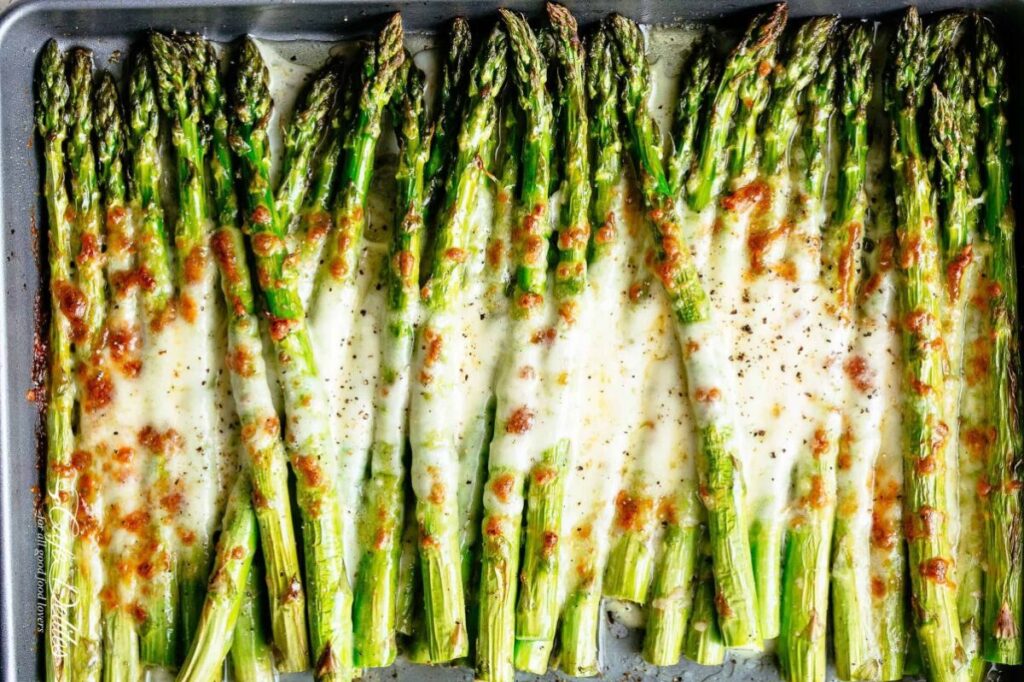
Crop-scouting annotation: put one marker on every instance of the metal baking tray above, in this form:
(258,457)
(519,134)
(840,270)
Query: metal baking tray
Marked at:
(107,26)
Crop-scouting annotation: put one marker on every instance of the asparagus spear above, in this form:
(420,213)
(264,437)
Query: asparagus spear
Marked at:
(308,437)
(52,122)
(435,458)
(380,67)
(581,614)
(932,571)
(1001,622)
(87,327)
(538,605)
(159,632)
(758,42)
(793,78)
(509,457)
(703,643)
(953,136)
(265,457)
(315,220)
(704,359)
(178,97)
(691,113)
(377,577)
(121,643)
(303,135)
(856,646)
(228,581)
(252,659)
(808,548)
(449,109)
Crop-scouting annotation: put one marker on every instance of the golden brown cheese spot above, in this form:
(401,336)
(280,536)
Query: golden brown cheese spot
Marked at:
(310,470)
(279,327)
(722,605)
(260,215)
(631,511)
(136,522)
(545,336)
(520,421)
(878,587)
(819,443)
(956,269)
(757,194)
(760,241)
(404,263)
(89,250)
(936,569)
(1004,627)
(503,486)
(543,475)
(856,368)
(72,304)
(910,252)
(160,442)
(455,255)
(549,544)
(195,265)
(240,361)
(438,493)
(707,395)
(883,534)
(222,245)
(434,346)
(99,390)
(495,253)
(845,265)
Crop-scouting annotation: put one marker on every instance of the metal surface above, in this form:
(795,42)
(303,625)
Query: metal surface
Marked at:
(110,25)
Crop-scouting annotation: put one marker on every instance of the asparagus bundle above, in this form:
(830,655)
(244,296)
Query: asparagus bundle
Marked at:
(932,568)
(510,453)
(705,362)
(377,585)
(52,122)
(128,586)
(159,630)
(1001,619)
(89,301)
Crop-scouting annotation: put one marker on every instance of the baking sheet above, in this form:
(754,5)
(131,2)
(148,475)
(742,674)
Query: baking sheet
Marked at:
(109,27)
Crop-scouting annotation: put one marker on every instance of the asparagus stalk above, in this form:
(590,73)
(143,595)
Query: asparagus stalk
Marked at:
(691,114)
(52,122)
(158,630)
(315,220)
(932,571)
(226,590)
(252,659)
(953,136)
(1001,622)
(303,135)
(435,457)
(793,79)
(509,457)
(704,359)
(308,437)
(757,44)
(377,578)
(121,643)
(703,643)
(265,459)
(380,67)
(581,615)
(90,303)
(809,545)
(178,96)
(856,647)
(449,109)
(538,605)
